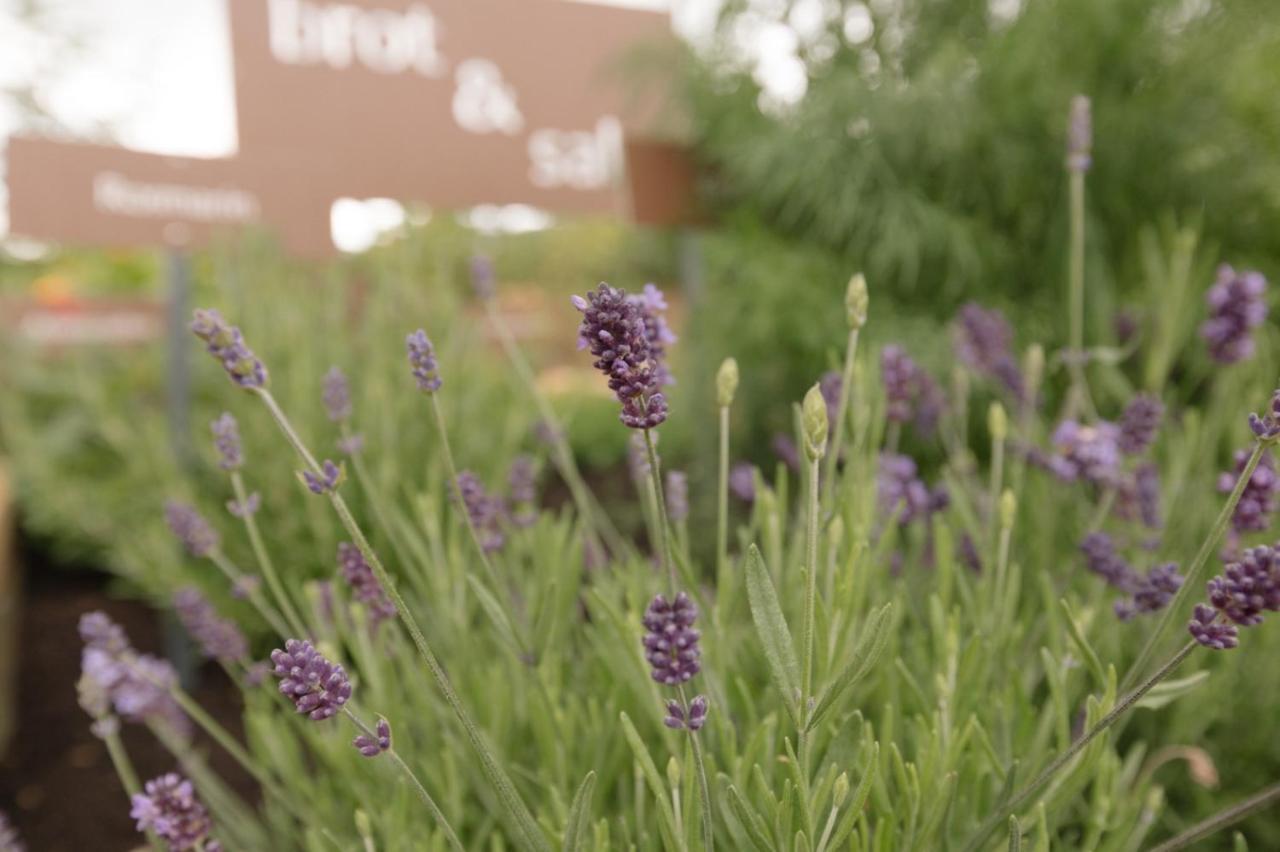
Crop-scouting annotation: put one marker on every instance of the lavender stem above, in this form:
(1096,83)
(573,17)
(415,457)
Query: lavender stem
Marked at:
(1228,816)
(128,776)
(232,573)
(846,397)
(265,562)
(722,498)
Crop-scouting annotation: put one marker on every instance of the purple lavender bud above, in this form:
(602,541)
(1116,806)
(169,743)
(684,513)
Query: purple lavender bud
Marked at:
(1139,424)
(218,638)
(698,708)
(98,631)
(1088,453)
(670,642)
(677,496)
(372,746)
(1125,324)
(349,445)
(898,374)
(422,360)
(898,488)
(616,329)
(485,511)
(136,685)
(1211,633)
(784,447)
(983,341)
(226,344)
(483,277)
(364,585)
(316,686)
(1157,589)
(1147,491)
(675,715)
(1257,501)
(226,440)
(1080,135)
(930,403)
(1102,559)
(1236,307)
(246,508)
(969,556)
(245,587)
(1249,587)
(653,307)
(336,395)
(325,482)
(1267,427)
(9,841)
(191,529)
(742,482)
(169,808)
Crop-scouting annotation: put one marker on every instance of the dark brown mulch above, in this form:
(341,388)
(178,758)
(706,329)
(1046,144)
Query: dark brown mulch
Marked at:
(57,783)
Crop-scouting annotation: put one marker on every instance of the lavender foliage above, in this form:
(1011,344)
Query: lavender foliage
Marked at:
(1236,307)
(226,344)
(316,686)
(616,329)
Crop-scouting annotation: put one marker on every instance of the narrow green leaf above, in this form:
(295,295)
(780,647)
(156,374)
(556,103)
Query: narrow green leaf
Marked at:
(865,656)
(1082,645)
(579,814)
(651,775)
(496,614)
(771,626)
(751,821)
(1167,691)
(1015,835)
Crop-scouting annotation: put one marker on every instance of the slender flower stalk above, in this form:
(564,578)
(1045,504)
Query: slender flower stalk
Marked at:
(815,427)
(726,388)
(265,563)
(856,303)
(1265,798)
(1079,159)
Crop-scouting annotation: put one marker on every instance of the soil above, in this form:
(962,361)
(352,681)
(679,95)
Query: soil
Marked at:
(57,783)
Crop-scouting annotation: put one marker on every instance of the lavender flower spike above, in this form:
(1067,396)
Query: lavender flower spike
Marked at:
(486,512)
(1211,633)
(191,528)
(616,330)
(694,718)
(364,585)
(422,360)
(670,642)
(1236,307)
(169,807)
(219,638)
(226,440)
(316,686)
(1267,427)
(483,276)
(1139,424)
(375,745)
(1258,500)
(1080,135)
(9,841)
(325,482)
(336,395)
(226,344)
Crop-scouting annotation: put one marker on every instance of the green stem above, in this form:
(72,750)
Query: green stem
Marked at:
(846,396)
(1079,393)
(1192,580)
(994,487)
(1024,795)
(264,559)
(1229,816)
(722,498)
(232,573)
(810,608)
(530,835)
(436,813)
(128,776)
(597,520)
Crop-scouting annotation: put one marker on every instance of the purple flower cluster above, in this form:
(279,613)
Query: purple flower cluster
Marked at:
(1101,558)
(135,685)
(326,481)
(1267,426)
(169,807)
(653,308)
(1258,500)
(422,361)
(1086,453)
(616,330)
(1238,597)
(1138,496)
(1080,135)
(1143,593)
(336,395)
(245,508)
(1139,424)
(372,746)
(1236,307)
(671,647)
(226,344)
(983,341)
(485,511)
(677,496)
(316,686)
(226,440)
(911,394)
(483,277)
(9,841)
(900,489)
(364,585)
(191,528)
(742,481)
(219,638)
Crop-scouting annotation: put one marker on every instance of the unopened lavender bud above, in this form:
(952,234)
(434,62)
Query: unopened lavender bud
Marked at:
(1008,509)
(316,686)
(363,824)
(226,344)
(422,361)
(670,641)
(997,422)
(226,440)
(336,395)
(1080,135)
(813,418)
(325,482)
(856,301)
(673,772)
(372,746)
(726,382)
(1034,365)
(698,708)
(840,791)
